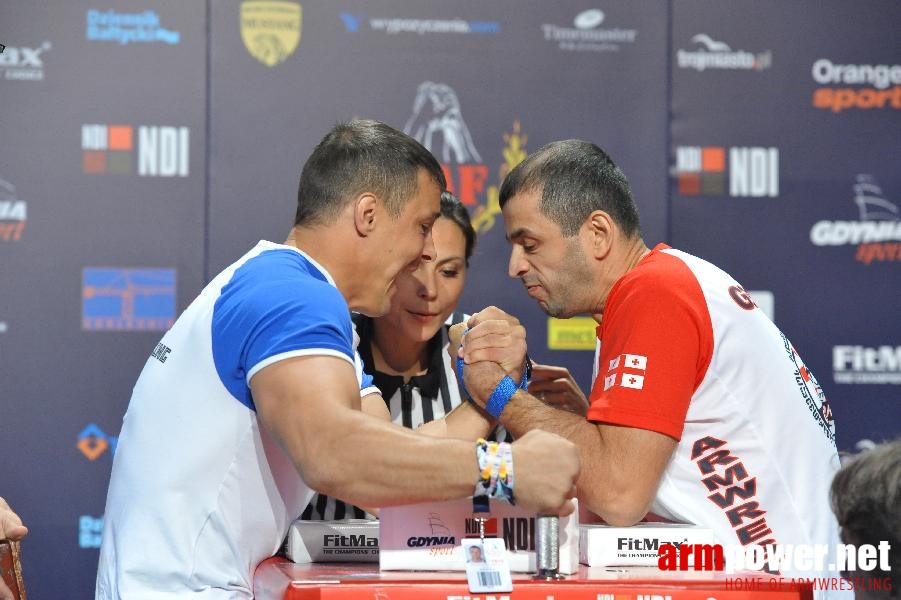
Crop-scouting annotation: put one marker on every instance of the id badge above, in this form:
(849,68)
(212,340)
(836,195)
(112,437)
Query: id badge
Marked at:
(487,569)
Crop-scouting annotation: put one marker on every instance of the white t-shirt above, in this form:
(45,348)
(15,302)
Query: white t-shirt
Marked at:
(199,492)
(685,352)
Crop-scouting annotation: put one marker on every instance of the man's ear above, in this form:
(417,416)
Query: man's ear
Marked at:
(365,211)
(600,229)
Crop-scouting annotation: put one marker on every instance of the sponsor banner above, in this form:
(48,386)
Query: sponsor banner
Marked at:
(271,29)
(866,364)
(862,86)
(577,333)
(117,299)
(126,28)
(586,34)
(436,121)
(93,442)
(430,536)
(90,530)
(24,63)
(709,53)
(877,231)
(737,171)
(357,22)
(147,150)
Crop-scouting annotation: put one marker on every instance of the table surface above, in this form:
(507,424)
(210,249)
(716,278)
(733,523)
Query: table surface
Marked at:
(279,579)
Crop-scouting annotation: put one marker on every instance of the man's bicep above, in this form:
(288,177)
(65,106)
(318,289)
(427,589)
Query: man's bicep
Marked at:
(374,406)
(301,401)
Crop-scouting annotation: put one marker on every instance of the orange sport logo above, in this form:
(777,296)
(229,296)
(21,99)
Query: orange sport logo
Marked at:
(862,86)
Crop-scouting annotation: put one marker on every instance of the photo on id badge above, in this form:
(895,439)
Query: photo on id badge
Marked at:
(486,565)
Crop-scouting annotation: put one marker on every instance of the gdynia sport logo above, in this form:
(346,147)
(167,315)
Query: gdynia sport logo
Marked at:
(807,564)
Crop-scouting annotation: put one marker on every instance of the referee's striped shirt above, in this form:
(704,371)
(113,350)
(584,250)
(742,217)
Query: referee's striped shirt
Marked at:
(424,398)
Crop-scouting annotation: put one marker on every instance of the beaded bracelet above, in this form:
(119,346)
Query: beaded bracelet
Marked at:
(495,461)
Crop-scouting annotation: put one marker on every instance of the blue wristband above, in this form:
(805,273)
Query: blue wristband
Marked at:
(523,383)
(460,380)
(501,396)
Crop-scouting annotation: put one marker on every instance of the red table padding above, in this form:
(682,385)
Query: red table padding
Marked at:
(278,579)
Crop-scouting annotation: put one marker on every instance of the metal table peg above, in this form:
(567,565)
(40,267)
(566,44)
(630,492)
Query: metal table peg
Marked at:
(547,547)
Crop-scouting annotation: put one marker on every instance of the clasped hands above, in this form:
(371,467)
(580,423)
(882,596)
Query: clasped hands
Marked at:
(495,346)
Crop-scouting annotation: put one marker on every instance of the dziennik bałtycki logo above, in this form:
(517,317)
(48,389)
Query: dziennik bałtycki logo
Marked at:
(127,28)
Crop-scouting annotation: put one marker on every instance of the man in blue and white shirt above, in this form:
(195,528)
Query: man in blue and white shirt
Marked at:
(252,399)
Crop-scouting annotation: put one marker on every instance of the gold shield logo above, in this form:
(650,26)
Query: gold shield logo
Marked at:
(270,29)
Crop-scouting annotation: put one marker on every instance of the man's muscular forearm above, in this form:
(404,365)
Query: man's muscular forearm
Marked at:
(621,466)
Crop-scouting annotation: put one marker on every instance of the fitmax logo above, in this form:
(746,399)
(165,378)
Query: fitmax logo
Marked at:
(23,63)
(862,364)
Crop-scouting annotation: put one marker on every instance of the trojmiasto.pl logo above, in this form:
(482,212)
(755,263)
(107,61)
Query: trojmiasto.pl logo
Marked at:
(162,150)
(713,54)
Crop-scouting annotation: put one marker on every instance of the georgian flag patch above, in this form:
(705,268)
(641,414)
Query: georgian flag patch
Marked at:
(626,370)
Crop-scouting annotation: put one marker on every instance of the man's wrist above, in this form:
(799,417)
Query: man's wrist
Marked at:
(501,396)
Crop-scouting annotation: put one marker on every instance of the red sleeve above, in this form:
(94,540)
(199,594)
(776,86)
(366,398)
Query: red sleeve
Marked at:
(656,343)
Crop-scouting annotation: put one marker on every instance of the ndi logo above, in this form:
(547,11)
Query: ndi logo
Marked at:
(751,171)
(163,151)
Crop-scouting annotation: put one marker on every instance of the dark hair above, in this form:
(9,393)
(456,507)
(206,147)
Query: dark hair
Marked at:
(866,499)
(575,178)
(356,157)
(453,209)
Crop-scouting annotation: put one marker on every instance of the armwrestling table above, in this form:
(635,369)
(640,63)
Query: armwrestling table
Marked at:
(279,579)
